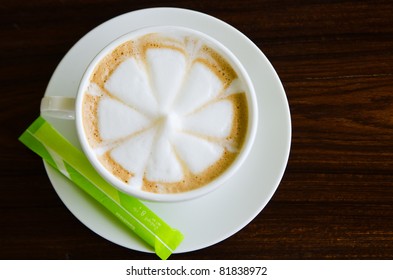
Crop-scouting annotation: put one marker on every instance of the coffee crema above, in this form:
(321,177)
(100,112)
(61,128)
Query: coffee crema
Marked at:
(165,112)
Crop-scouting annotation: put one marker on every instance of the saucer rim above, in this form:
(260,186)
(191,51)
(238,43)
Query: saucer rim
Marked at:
(69,199)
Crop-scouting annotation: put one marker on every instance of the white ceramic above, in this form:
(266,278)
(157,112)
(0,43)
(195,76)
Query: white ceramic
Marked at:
(203,190)
(214,217)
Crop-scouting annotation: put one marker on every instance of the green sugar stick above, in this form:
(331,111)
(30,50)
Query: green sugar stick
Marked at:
(44,140)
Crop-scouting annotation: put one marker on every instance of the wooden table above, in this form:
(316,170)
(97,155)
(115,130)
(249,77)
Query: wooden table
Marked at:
(335,60)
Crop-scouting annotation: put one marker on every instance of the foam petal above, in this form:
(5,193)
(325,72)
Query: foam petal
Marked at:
(167,69)
(134,153)
(200,86)
(197,153)
(214,120)
(129,83)
(117,120)
(163,165)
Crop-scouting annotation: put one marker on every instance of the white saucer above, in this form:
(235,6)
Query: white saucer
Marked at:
(217,216)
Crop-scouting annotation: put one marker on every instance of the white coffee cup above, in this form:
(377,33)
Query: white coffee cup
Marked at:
(70,108)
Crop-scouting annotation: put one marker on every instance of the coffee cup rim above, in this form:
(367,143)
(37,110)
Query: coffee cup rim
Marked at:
(170,197)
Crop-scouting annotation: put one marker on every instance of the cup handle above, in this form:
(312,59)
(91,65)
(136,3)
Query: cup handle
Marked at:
(59,107)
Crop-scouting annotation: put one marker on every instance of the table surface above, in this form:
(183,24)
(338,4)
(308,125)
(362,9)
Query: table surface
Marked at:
(335,60)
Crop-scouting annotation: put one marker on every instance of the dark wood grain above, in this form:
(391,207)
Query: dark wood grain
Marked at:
(335,59)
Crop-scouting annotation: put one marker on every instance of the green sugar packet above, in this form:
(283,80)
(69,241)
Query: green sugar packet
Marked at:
(48,143)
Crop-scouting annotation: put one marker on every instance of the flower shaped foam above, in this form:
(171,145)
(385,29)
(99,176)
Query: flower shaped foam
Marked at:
(165,114)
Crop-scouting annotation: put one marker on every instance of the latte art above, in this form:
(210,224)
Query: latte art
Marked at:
(165,113)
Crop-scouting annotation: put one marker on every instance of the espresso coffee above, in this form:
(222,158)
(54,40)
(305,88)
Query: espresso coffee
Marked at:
(165,112)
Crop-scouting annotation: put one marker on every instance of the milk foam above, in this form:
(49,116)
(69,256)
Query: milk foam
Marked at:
(201,85)
(163,165)
(129,83)
(165,115)
(197,153)
(167,69)
(117,120)
(138,148)
(212,120)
